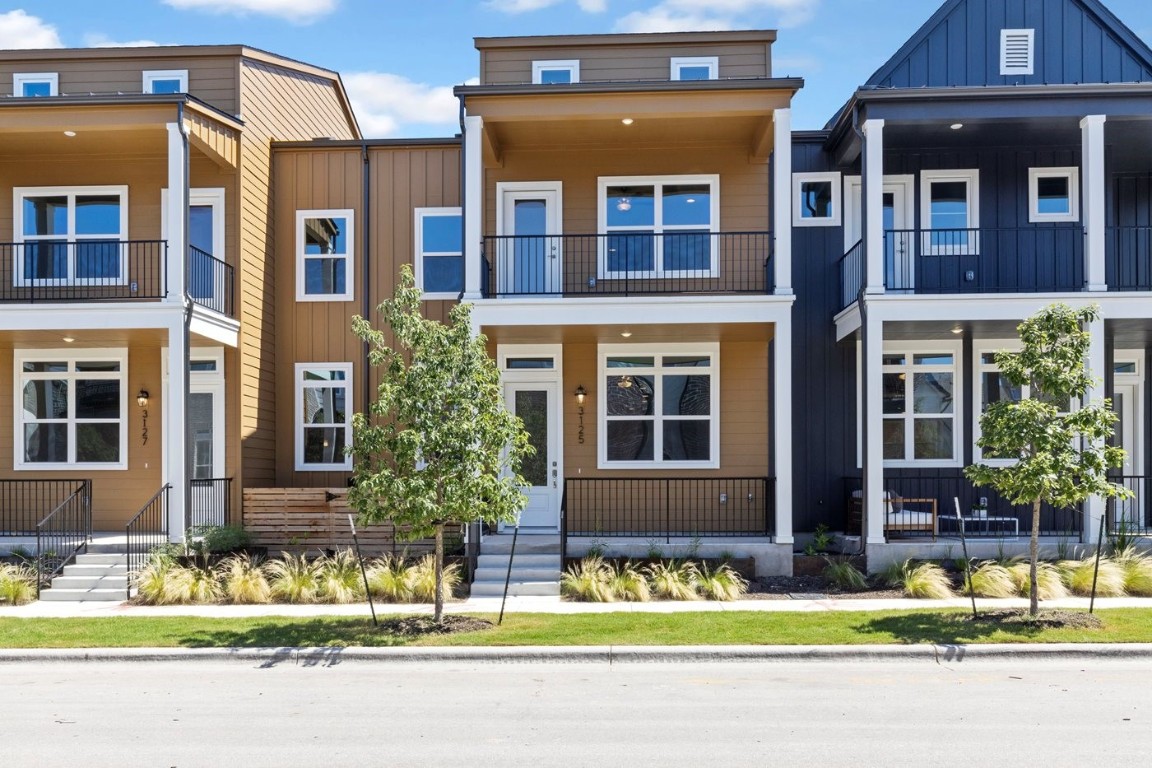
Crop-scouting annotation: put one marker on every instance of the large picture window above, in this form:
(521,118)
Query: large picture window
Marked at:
(920,407)
(659,406)
(70,409)
(70,235)
(440,252)
(659,226)
(323,416)
(324,241)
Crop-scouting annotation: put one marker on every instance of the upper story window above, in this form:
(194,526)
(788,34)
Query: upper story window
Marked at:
(920,406)
(950,211)
(556,72)
(35,84)
(440,252)
(166,81)
(70,235)
(324,255)
(695,68)
(658,226)
(323,416)
(1017,51)
(1053,194)
(816,199)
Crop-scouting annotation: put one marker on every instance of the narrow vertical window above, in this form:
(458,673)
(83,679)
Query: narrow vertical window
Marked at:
(439,263)
(323,416)
(324,248)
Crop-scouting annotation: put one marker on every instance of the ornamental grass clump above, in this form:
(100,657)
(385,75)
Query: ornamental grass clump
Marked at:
(628,583)
(339,579)
(674,581)
(156,581)
(244,581)
(721,583)
(1137,575)
(1079,574)
(588,581)
(423,579)
(991,579)
(17,584)
(390,579)
(1049,585)
(294,579)
(844,576)
(927,581)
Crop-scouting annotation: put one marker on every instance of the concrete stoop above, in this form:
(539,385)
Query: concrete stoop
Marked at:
(99,575)
(535,567)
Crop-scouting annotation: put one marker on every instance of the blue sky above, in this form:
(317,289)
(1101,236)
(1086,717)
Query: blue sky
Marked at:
(400,58)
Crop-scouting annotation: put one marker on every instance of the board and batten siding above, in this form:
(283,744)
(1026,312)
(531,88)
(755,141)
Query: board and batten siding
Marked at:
(277,104)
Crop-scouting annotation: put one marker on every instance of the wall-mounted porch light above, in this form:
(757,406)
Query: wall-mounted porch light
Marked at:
(581,393)
(142,398)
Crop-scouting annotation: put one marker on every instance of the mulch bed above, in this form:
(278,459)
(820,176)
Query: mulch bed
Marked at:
(1054,619)
(422,626)
(784,587)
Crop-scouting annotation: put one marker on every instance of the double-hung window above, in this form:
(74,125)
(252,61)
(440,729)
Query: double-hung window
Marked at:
(70,235)
(950,211)
(920,406)
(659,226)
(166,81)
(35,84)
(659,406)
(324,243)
(70,409)
(323,416)
(440,252)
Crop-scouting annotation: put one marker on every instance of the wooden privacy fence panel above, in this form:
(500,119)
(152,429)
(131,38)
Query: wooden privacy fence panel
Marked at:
(312,520)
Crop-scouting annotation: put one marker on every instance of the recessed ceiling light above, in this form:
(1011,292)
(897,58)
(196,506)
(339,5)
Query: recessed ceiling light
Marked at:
(68,339)
(627,121)
(626,334)
(957,330)
(69,134)
(956,126)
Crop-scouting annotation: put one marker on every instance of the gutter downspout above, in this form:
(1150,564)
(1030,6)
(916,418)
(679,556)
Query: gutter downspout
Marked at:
(365,202)
(864,405)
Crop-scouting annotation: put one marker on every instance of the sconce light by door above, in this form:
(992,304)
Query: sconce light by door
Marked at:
(142,398)
(142,401)
(581,393)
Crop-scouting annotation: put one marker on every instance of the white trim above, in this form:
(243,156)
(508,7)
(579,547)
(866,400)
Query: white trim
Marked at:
(657,351)
(679,62)
(554,377)
(71,192)
(299,385)
(20,79)
(925,347)
(658,226)
(473,182)
(980,348)
(571,66)
(152,75)
(543,187)
(782,199)
(349,292)
(419,253)
(506,352)
(1072,174)
(1017,51)
(854,204)
(971,178)
(832,179)
(71,357)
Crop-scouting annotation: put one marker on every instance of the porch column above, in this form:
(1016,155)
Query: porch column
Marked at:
(873,204)
(782,200)
(1092,201)
(1094,507)
(872,421)
(473,205)
(177,213)
(782,428)
(174,405)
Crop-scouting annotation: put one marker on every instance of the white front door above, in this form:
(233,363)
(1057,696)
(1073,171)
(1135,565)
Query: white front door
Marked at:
(530,249)
(536,404)
(1125,401)
(899,245)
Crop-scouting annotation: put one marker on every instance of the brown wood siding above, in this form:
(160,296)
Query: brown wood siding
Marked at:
(210,79)
(625,62)
(277,104)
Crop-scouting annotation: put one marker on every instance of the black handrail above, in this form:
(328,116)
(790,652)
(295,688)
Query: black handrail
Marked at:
(147,530)
(65,531)
(211,502)
(210,282)
(851,274)
(564,526)
(1131,516)
(91,269)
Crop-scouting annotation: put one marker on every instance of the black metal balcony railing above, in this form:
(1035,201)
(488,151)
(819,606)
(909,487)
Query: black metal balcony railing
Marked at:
(83,270)
(210,281)
(211,502)
(1128,258)
(851,274)
(24,503)
(1130,516)
(147,530)
(628,264)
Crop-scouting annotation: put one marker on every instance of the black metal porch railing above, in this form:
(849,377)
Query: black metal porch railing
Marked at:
(210,282)
(83,270)
(1128,258)
(63,533)
(24,503)
(851,274)
(667,507)
(628,264)
(211,502)
(146,531)
(1130,516)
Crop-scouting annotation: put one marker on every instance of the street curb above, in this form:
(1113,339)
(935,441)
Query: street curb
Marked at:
(269,657)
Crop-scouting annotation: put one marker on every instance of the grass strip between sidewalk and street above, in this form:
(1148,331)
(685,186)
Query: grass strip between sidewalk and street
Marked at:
(1120,625)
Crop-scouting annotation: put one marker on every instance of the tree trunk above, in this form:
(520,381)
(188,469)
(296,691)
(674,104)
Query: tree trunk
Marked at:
(1033,557)
(439,560)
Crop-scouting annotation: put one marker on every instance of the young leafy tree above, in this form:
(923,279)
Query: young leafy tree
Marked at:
(437,444)
(1059,455)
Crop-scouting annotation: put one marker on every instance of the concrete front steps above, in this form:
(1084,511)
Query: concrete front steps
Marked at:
(535,567)
(99,575)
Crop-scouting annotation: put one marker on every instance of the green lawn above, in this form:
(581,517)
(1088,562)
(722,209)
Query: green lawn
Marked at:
(736,628)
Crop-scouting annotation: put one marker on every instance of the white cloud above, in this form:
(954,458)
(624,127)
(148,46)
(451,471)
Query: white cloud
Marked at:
(593,6)
(686,15)
(295,11)
(525,6)
(385,103)
(19,30)
(97,40)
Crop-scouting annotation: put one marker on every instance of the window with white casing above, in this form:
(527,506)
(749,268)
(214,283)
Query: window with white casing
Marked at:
(323,416)
(695,68)
(166,81)
(324,248)
(70,409)
(921,405)
(25,84)
(556,72)
(70,235)
(439,265)
(950,212)
(659,406)
(1053,194)
(658,226)
(1017,51)
(816,200)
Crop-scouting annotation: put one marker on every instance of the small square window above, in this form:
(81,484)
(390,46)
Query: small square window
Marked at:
(166,81)
(816,199)
(556,72)
(695,68)
(32,84)
(1053,194)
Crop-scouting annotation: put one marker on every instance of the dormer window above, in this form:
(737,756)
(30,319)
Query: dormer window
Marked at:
(695,68)
(555,72)
(1017,51)
(35,84)
(166,81)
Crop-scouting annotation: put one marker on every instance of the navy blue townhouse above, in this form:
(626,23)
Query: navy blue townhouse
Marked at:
(1000,161)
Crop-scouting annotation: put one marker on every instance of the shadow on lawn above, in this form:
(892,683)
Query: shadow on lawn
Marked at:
(330,635)
(949,628)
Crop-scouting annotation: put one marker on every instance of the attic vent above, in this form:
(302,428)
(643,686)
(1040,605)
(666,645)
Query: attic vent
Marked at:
(1016,51)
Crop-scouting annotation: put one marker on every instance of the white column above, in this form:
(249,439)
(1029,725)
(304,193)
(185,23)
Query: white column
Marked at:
(473,204)
(873,443)
(782,200)
(1094,507)
(177,213)
(1092,200)
(175,427)
(873,204)
(782,434)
